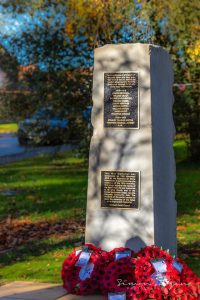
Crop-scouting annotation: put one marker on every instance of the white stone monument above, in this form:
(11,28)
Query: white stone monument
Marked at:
(131,196)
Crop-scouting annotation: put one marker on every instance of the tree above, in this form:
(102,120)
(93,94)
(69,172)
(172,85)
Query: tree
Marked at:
(97,19)
(173,24)
(8,80)
(107,21)
(176,24)
(60,35)
(39,35)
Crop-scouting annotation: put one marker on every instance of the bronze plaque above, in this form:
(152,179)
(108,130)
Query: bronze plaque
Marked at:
(120,189)
(121,100)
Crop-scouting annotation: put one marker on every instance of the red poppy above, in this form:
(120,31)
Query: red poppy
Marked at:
(139,291)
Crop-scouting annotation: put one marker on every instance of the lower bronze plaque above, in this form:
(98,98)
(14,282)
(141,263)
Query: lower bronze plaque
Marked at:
(120,189)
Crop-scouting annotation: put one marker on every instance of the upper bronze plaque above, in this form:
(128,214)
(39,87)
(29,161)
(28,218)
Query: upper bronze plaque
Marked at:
(121,100)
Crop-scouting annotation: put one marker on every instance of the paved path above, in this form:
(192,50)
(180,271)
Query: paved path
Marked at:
(11,150)
(38,291)
(9,144)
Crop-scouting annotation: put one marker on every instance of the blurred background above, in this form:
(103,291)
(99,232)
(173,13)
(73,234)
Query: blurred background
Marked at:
(46,64)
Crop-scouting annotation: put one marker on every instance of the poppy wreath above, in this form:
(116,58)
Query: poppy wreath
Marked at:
(186,275)
(181,284)
(119,277)
(144,268)
(131,275)
(111,257)
(71,273)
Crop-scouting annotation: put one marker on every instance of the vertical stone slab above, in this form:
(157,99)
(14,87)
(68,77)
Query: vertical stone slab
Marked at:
(131,165)
(163,131)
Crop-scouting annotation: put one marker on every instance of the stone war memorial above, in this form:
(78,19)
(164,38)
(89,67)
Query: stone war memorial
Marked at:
(131,197)
(130,249)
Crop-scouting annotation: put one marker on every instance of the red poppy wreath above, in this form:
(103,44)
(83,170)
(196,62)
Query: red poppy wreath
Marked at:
(82,270)
(119,277)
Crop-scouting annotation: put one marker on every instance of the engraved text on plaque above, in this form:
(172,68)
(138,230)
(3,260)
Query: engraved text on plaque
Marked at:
(121,100)
(120,189)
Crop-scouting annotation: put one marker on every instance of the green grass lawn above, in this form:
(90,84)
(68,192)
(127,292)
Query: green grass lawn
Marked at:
(47,188)
(53,188)
(188,200)
(8,128)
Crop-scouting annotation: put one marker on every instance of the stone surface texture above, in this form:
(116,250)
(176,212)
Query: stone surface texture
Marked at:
(147,149)
(39,291)
(31,291)
(74,297)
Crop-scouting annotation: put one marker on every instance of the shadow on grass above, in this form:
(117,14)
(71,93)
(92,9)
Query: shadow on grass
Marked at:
(44,185)
(56,198)
(192,249)
(38,248)
(191,254)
